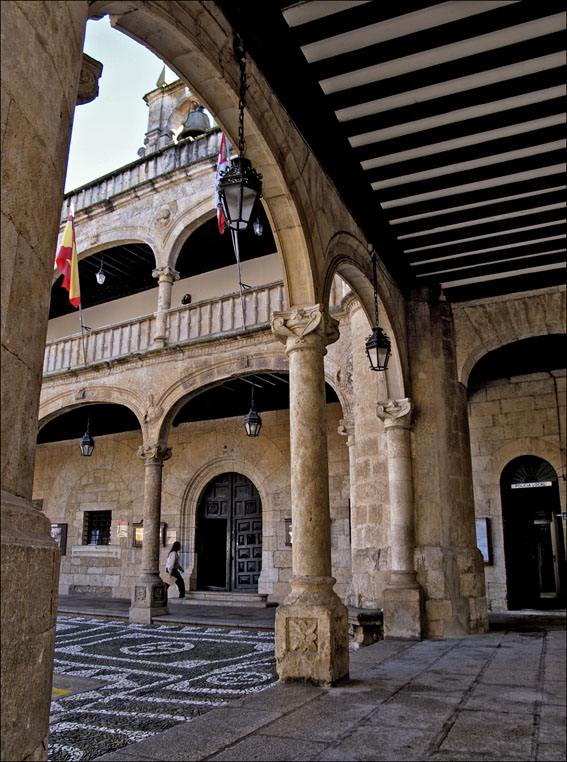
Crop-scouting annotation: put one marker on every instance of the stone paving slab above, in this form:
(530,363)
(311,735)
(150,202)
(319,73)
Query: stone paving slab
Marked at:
(436,701)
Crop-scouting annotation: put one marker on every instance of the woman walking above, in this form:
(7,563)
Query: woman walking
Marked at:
(174,568)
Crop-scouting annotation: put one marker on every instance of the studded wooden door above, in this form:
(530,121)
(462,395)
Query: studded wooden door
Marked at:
(230,535)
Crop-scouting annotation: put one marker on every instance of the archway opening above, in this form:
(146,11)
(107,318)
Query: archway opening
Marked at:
(533,541)
(229,535)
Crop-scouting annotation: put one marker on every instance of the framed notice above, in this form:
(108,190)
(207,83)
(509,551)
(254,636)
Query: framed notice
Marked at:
(484,540)
(170,537)
(122,528)
(59,534)
(138,534)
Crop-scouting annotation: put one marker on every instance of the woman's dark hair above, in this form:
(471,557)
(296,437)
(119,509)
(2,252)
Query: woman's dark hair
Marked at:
(175,547)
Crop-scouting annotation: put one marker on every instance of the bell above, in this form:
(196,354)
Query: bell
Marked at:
(196,123)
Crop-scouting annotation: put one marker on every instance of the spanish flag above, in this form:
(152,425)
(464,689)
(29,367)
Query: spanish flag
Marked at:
(67,263)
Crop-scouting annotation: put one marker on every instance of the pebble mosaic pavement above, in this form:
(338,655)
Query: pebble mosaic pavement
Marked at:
(146,679)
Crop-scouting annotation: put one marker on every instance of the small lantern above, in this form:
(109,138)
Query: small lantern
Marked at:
(100,276)
(378,345)
(258,227)
(86,444)
(252,421)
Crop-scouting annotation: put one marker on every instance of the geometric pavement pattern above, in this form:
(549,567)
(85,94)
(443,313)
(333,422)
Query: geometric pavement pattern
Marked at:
(137,680)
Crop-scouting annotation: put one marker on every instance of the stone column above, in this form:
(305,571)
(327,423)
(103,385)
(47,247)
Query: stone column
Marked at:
(39,93)
(166,276)
(403,596)
(312,625)
(149,596)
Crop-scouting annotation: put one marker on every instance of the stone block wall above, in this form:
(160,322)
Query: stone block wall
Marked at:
(510,417)
(113,477)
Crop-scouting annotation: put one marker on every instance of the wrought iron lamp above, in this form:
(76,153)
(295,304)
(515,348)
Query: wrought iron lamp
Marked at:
(240,186)
(86,444)
(378,345)
(100,276)
(252,421)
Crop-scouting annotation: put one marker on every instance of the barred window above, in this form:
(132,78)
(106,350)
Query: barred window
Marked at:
(96,527)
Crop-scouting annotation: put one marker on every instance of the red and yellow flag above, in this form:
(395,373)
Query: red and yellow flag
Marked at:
(68,264)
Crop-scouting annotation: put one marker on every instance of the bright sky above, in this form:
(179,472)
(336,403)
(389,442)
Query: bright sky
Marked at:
(108,131)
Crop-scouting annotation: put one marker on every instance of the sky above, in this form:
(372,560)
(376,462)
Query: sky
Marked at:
(108,131)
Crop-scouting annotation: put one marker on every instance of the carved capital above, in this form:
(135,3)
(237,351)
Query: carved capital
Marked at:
(305,328)
(154,454)
(395,412)
(165,274)
(91,69)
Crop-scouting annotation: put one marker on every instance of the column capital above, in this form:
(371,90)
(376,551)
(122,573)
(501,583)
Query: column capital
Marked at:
(309,327)
(154,454)
(395,413)
(165,274)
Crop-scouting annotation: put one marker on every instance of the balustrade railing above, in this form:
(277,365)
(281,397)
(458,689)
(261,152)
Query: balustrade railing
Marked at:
(209,318)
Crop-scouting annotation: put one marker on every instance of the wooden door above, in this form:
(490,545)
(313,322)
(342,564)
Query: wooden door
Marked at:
(230,535)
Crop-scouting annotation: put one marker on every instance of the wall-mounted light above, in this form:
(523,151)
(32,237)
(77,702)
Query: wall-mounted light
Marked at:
(86,444)
(100,276)
(378,345)
(252,421)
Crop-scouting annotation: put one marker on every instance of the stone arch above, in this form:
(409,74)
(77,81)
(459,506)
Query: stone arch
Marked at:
(63,402)
(263,480)
(526,446)
(196,41)
(483,327)
(185,225)
(348,257)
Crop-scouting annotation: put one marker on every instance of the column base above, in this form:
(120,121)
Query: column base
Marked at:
(149,599)
(403,606)
(312,633)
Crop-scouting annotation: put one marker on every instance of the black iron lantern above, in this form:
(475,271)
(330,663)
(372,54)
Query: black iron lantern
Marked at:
(240,186)
(86,444)
(252,421)
(378,345)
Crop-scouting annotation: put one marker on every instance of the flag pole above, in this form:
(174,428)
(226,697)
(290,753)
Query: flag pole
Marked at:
(234,234)
(83,334)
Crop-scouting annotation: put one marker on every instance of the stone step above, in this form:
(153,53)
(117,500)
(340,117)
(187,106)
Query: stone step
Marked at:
(222,598)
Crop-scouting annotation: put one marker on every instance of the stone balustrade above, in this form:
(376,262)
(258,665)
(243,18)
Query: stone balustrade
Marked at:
(147,170)
(209,318)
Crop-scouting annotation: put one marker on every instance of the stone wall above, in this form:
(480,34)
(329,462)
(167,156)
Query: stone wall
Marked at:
(112,479)
(510,417)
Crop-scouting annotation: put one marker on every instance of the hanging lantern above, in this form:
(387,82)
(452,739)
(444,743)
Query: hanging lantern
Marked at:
(240,186)
(86,444)
(252,421)
(378,345)
(100,276)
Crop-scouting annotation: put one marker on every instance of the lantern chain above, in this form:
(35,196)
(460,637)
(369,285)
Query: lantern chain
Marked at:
(375,284)
(241,55)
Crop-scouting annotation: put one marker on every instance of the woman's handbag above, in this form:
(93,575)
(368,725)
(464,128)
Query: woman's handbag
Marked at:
(169,579)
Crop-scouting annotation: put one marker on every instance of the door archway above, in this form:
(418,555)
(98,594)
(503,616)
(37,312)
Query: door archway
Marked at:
(533,541)
(229,535)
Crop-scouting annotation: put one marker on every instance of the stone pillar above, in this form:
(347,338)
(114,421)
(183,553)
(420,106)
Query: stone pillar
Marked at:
(149,595)
(449,566)
(312,625)
(39,92)
(166,276)
(403,596)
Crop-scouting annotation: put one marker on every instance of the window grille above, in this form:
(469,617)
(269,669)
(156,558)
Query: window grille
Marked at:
(96,529)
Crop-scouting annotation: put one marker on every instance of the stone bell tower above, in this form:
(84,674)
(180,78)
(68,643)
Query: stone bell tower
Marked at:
(173,114)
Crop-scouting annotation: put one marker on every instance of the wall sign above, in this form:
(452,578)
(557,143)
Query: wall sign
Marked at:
(484,540)
(527,485)
(138,534)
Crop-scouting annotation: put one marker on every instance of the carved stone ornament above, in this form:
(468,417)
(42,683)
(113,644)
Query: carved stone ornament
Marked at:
(302,634)
(153,411)
(154,453)
(346,429)
(304,327)
(139,593)
(91,69)
(80,393)
(395,412)
(166,273)
(163,216)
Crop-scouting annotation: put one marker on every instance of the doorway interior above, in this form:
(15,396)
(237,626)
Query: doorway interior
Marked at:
(534,546)
(229,535)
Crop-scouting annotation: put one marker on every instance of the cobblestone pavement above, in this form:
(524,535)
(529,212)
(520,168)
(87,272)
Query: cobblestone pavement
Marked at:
(115,684)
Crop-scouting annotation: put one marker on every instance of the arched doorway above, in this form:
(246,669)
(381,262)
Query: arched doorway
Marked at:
(229,535)
(533,541)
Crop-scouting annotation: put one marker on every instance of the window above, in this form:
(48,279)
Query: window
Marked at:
(96,528)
